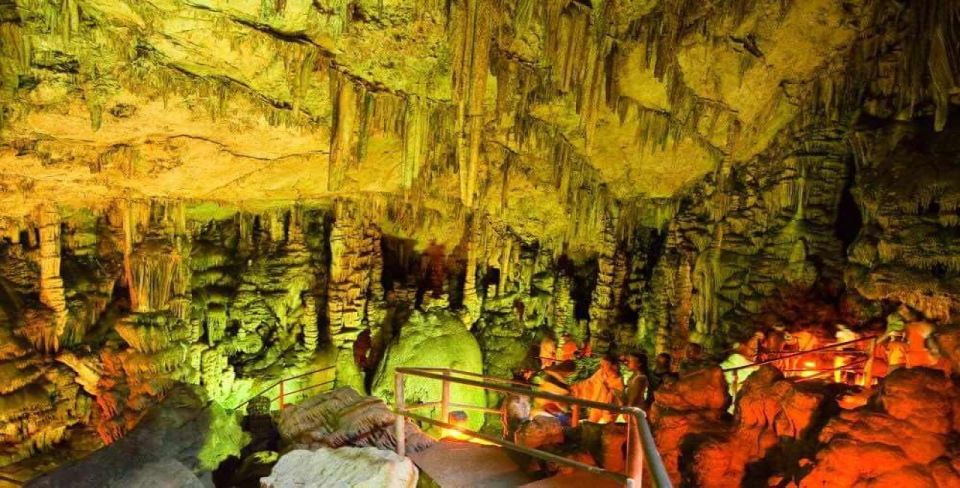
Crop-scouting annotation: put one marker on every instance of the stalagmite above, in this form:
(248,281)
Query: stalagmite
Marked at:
(602,306)
(51,283)
(354,288)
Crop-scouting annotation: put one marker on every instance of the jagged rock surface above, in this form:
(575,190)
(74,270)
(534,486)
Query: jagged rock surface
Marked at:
(900,440)
(343,417)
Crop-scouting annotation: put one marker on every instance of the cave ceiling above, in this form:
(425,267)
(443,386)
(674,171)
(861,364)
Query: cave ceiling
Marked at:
(526,111)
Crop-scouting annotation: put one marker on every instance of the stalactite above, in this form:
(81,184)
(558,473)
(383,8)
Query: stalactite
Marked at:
(216,373)
(216,323)
(311,330)
(155,269)
(129,229)
(471,32)
(415,132)
(342,144)
(683,309)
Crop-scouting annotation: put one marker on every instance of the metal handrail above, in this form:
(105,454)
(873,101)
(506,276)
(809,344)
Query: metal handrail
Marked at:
(281,382)
(639,433)
(801,353)
(867,361)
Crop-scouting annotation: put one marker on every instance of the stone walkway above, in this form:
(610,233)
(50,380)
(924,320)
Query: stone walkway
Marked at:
(452,464)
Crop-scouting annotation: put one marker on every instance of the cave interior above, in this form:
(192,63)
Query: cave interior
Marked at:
(202,201)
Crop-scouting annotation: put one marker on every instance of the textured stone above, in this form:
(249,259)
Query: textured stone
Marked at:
(342,468)
(343,417)
(904,443)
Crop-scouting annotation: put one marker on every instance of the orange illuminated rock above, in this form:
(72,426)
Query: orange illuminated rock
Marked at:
(692,406)
(902,439)
(769,408)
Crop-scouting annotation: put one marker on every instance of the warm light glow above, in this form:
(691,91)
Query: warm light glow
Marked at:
(461,422)
(809,369)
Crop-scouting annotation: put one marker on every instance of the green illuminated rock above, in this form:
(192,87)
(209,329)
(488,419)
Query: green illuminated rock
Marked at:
(433,340)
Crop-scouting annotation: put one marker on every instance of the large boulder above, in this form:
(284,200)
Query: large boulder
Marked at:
(343,417)
(901,439)
(924,397)
(346,467)
(768,409)
(434,339)
(542,431)
(688,408)
(183,432)
(167,473)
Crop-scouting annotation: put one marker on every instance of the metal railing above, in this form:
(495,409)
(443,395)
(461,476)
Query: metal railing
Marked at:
(866,359)
(283,393)
(641,449)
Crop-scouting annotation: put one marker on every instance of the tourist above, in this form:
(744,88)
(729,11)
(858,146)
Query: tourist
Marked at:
(693,358)
(662,374)
(895,338)
(548,351)
(555,380)
(639,380)
(840,361)
(737,367)
(795,342)
(897,351)
(604,386)
(919,352)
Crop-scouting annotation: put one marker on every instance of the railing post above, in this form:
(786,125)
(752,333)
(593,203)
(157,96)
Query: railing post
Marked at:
(400,420)
(445,398)
(281,394)
(868,367)
(634,453)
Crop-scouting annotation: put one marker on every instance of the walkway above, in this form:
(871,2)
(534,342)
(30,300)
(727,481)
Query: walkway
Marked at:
(457,464)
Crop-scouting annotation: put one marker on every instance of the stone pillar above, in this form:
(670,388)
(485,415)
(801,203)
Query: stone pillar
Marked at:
(354,288)
(51,283)
(602,307)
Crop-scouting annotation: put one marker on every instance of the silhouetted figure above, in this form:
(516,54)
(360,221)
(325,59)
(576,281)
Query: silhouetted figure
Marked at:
(693,359)
(662,374)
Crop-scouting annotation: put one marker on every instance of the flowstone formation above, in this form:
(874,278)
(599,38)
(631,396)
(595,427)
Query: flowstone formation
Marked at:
(223,193)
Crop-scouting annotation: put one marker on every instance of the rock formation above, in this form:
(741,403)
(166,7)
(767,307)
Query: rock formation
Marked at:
(225,193)
(180,437)
(691,406)
(450,346)
(900,440)
(342,417)
(344,467)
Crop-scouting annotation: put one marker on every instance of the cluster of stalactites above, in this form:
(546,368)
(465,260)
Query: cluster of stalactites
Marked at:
(361,111)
